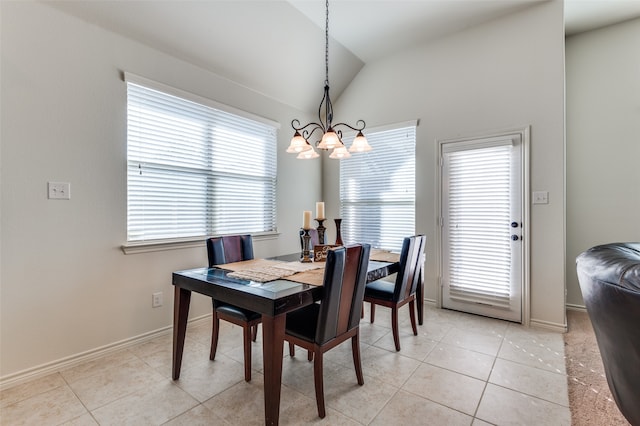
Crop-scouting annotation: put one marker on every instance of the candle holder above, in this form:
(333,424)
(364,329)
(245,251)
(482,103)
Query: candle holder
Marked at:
(306,239)
(321,229)
(338,232)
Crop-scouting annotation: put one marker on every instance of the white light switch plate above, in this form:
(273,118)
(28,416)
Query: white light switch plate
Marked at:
(541,197)
(59,190)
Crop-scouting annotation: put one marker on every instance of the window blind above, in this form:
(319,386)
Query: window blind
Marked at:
(478,230)
(377,189)
(194,170)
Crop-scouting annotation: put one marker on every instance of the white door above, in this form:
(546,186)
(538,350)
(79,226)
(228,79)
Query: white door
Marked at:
(482,225)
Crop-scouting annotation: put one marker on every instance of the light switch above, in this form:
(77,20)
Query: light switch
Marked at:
(541,197)
(59,190)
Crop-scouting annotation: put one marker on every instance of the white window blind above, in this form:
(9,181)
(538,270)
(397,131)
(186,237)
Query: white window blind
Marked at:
(377,189)
(194,170)
(478,206)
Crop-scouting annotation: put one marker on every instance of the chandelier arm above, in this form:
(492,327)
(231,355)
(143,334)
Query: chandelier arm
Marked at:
(358,127)
(297,127)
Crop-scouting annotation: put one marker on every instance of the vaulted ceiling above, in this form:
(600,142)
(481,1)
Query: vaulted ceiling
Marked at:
(277,47)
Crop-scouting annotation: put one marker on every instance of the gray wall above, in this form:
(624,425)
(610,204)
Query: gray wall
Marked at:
(66,287)
(506,74)
(603,142)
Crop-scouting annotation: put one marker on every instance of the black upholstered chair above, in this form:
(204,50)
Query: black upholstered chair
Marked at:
(609,277)
(397,294)
(229,249)
(322,326)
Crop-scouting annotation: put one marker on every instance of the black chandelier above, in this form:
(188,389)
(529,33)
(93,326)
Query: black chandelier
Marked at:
(331,134)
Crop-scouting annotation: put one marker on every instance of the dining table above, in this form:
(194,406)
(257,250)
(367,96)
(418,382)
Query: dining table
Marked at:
(271,296)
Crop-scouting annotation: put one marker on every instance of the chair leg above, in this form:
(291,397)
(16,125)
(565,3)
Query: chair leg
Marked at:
(317,378)
(373,312)
(394,327)
(246,334)
(215,330)
(254,333)
(309,356)
(292,350)
(412,314)
(357,363)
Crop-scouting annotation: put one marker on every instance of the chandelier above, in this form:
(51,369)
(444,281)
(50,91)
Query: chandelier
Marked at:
(331,133)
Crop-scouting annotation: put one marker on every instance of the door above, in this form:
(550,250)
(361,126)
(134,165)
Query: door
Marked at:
(481,198)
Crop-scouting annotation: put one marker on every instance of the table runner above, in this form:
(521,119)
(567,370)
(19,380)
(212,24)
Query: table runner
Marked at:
(265,270)
(384,256)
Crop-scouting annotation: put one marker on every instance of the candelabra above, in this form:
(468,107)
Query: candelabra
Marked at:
(321,229)
(306,238)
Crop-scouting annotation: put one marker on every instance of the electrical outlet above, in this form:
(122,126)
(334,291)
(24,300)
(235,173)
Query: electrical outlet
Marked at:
(59,190)
(541,197)
(156,300)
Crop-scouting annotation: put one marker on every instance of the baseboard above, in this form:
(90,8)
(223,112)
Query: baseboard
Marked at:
(552,326)
(73,360)
(572,307)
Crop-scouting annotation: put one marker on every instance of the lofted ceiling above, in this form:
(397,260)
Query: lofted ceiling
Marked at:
(277,47)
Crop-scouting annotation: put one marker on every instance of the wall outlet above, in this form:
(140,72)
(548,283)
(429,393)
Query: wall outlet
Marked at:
(59,190)
(541,197)
(156,300)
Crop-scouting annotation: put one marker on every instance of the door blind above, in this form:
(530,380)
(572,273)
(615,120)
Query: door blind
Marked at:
(479,234)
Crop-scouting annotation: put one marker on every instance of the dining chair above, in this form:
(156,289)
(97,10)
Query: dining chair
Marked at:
(322,326)
(397,294)
(229,249)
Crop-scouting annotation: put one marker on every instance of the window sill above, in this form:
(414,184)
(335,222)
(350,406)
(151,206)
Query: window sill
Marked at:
(175,244)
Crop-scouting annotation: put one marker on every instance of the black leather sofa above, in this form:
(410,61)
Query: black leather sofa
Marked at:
(609,277)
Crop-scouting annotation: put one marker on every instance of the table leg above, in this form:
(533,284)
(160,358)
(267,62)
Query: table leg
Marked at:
(181,301)
(272,342)
(420,296)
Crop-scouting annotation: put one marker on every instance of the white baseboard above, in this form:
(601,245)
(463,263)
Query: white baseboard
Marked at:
(547,325)
(73,360)
(572,307)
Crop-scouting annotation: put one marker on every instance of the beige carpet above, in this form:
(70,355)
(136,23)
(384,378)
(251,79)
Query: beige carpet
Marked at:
(589,396)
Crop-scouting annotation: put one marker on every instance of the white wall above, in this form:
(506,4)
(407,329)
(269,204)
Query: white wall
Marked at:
(603,142)
(66,287)
(505,74)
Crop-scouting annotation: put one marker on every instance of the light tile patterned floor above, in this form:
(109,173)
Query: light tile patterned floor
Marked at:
(460,370)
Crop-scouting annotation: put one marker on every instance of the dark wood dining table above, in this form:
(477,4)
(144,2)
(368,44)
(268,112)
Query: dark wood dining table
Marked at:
(273,299)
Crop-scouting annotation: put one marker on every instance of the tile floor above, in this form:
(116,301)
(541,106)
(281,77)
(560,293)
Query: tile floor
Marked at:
(460,370)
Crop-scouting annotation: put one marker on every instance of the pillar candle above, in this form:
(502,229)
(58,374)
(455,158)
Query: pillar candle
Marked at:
(306,219)
(320,210)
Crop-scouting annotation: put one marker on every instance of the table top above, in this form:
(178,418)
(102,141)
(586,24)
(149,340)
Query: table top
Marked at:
(269,298)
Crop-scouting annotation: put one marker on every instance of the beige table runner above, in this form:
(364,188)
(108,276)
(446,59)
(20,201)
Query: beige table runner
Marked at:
(264,270)
(384,256)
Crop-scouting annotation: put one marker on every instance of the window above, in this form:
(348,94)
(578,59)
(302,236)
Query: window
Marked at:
(195,168)
(377,189)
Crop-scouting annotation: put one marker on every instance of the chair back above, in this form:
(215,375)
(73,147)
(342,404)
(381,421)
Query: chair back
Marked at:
(411,261)
(229,249)
(341,304)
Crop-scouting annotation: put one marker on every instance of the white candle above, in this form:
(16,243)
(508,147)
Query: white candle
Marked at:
(320,210)
(306,219)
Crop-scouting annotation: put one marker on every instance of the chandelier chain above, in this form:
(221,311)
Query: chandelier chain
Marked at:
(326,45)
